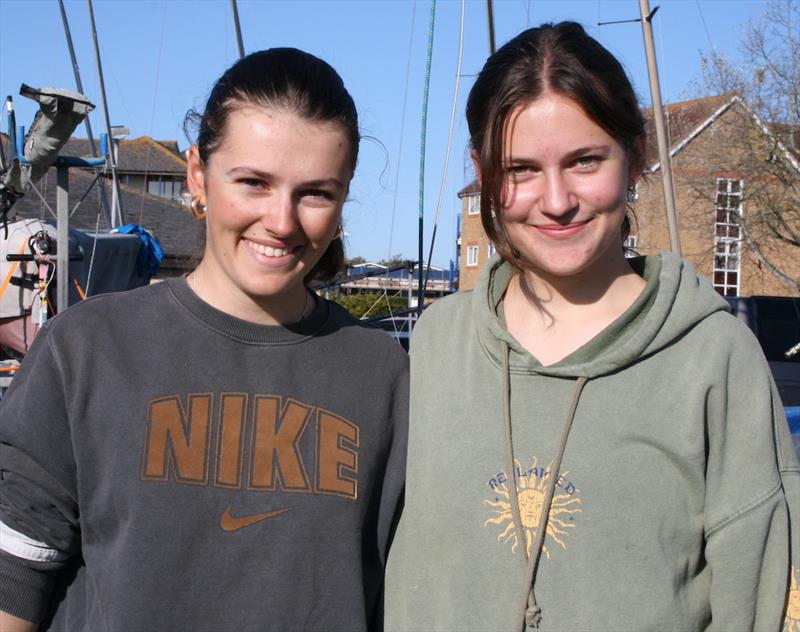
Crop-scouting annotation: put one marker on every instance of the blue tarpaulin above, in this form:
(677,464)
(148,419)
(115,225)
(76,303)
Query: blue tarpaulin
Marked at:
(151,255)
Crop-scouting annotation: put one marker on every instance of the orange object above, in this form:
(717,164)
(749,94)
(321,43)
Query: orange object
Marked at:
(79,289)
(12,270)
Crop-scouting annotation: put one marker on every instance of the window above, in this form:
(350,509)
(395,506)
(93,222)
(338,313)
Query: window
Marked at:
(474,205)
(165,186)
(727,236)
(472,256)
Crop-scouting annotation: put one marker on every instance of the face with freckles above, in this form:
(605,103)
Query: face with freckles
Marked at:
(273,190)
(565,182)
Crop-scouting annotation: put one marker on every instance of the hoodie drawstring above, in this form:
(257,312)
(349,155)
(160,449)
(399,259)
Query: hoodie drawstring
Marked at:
(529,612)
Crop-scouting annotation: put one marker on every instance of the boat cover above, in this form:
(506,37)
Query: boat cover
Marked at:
(60,112)
(113,268)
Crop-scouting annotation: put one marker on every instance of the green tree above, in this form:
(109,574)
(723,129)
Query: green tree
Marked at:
(370,305)
(393,261)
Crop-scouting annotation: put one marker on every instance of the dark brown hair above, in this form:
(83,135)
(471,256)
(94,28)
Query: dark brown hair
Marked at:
(562,59)
(289,79)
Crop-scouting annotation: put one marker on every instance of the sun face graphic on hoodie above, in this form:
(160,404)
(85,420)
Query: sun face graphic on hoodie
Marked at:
(792,622)
(531,493)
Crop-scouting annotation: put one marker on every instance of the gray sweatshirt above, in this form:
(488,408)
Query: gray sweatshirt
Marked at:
(669,504)
(191,471)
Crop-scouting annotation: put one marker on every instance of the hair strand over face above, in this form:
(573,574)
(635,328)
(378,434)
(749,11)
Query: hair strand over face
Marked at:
(557,58)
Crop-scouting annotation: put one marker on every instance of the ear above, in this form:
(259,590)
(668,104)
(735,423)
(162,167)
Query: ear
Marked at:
(195,175)
(476,164)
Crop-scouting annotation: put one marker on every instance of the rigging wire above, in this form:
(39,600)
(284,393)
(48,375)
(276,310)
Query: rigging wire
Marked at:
(101,189)
(402,129)
(715,60)
(705,26)
(447,152)
(423,132)
(152,114)
(101,82)
(91,259)
(400,154)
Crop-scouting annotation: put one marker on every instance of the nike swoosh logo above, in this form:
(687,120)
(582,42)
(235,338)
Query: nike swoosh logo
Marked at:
(233,523)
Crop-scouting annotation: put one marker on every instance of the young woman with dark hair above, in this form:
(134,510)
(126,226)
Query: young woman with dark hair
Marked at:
(608,451)
(225,450)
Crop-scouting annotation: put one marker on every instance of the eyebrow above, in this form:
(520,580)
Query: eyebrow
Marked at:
(575,153)
(265,175)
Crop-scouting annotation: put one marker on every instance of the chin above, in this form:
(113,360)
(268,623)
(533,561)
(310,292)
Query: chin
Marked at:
(559,264)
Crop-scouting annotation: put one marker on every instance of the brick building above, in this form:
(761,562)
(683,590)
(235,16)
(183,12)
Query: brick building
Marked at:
(736,182)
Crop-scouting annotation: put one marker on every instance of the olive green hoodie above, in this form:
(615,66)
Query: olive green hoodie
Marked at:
(669,507)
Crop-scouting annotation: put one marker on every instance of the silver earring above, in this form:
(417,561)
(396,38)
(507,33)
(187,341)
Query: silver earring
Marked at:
(632,195)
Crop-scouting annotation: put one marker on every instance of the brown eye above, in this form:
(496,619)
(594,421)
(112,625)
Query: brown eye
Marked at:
(587,161)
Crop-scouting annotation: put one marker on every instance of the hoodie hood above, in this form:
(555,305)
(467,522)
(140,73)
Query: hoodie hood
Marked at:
(674,300)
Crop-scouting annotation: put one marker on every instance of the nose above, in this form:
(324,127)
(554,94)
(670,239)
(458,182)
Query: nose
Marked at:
(558,197)
(279,218)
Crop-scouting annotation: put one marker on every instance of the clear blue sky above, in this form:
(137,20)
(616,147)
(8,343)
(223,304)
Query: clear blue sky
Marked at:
(160,57)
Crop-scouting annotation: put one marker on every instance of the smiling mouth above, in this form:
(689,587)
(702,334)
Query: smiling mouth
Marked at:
(267,251)
(559,231)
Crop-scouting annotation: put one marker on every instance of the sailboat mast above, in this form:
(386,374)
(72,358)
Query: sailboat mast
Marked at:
(423,134)
(79,84)
(116,211)
(237,28)
(658,118)
(490,16)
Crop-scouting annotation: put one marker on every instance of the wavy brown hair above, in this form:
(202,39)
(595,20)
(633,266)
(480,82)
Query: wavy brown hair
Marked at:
(562,59)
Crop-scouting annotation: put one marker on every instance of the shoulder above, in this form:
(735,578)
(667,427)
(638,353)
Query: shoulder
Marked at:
(729,335)
(448,312)
(115,310)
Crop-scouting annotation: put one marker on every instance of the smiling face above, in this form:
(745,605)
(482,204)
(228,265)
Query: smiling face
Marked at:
(274,190)
(565,181)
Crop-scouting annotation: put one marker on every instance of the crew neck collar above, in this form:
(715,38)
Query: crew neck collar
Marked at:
(242,330)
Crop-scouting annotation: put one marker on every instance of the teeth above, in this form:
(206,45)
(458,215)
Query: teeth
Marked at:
(268,251)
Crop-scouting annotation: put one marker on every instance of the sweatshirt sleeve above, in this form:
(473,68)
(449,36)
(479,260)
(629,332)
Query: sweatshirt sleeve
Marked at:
(790,481)
(395,475)
(747,518)
(38,499)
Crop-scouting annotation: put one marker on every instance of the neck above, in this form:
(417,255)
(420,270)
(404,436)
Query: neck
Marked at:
(605,287)
(287,307)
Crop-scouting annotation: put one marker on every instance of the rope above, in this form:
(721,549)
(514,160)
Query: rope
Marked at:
(449,147)
(91,260)
(423,133)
